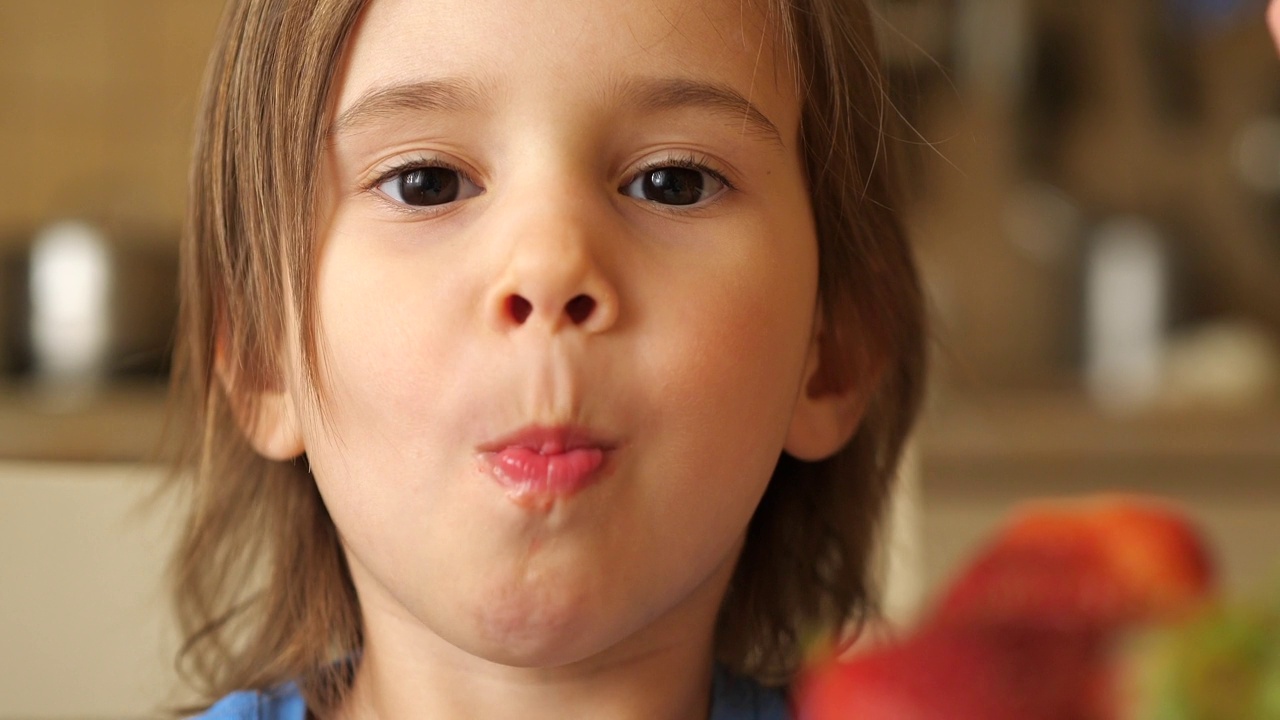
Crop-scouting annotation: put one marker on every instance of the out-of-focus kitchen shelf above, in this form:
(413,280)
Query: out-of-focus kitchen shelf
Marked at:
(1055,435)
(1023,434)
(116,423)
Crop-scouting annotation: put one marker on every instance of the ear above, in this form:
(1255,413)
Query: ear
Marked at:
(267,417)
(830,407)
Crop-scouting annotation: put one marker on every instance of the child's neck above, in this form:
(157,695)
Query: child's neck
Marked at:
(660,686)
(667,676)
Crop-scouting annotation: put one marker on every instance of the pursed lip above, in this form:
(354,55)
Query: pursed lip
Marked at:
(538,465)
(549,440)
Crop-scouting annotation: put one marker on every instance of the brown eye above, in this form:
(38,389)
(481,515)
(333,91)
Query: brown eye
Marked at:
(425,186)
(673,185)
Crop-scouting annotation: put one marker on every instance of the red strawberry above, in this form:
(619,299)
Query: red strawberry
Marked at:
(1092,565)
(961,673)
(1026,633)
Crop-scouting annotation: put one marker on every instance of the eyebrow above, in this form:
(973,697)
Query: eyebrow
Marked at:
(680,93)
(437,95)
(654,95)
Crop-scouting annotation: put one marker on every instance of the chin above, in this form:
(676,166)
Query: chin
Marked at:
(547,653)
(534,627)
(538,647)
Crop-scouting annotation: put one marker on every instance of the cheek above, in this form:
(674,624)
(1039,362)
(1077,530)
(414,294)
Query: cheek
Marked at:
(385,336)
(390,384)
(736,362)
(752,317)
(1273,20)
(394,374)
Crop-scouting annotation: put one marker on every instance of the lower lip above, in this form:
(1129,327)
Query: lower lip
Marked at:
(535,480)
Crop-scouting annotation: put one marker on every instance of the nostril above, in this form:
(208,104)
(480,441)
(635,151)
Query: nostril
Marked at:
(580,308)
(519,308)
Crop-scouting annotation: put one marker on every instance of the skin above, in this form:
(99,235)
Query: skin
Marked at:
(695,359)
(1273,20)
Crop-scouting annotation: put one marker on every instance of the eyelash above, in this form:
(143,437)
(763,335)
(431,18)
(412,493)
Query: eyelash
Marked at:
(687,161)
(408,165)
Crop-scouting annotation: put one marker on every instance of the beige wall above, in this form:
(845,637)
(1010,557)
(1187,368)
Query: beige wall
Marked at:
(84,625)
(96,105)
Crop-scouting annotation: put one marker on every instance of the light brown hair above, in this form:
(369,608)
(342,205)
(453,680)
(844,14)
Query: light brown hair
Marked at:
(262,591)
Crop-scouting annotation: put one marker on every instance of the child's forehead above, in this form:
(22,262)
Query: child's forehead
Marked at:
(503,49)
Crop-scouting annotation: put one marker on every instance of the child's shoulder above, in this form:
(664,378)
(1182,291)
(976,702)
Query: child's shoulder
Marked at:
(282,703)
(734,697)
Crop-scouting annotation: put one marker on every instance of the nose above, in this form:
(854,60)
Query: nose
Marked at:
(552,279)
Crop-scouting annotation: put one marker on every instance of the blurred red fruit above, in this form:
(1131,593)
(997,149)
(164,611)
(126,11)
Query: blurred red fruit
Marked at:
(1090,565)
(1026,631)
(966,673)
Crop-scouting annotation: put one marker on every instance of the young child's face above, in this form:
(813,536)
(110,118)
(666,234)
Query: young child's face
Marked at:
(595,232)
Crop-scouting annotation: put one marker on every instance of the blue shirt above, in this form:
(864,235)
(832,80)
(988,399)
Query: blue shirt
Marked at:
(732,698)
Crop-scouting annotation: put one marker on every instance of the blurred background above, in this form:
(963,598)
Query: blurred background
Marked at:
(1094,192)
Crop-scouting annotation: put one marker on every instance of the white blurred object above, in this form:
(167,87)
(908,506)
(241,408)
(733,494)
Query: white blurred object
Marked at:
(1125,323)
(1226,365)
(70,297)
(992,46)
(904,564)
